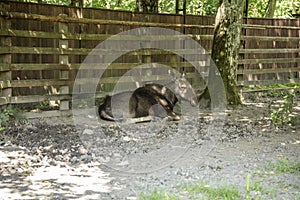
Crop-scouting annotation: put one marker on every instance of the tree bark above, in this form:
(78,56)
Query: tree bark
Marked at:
(270,9)
(225,48)
(147,6)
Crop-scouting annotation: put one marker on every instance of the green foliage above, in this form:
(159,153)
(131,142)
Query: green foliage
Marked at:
(114,5)
(284,9)
(254,187)
(222,192)
(257,8)
(10,114)
(282,115)
(285,166)
(203,7)
(158,195)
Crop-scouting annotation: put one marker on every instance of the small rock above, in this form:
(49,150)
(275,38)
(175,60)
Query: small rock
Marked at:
(88,132)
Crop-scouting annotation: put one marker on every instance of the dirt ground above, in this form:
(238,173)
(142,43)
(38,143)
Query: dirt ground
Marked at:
(55,158)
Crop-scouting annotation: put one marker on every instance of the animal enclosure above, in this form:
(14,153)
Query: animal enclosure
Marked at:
(43,46)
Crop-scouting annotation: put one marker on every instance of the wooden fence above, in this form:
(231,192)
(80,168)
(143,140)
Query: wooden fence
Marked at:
(43,46)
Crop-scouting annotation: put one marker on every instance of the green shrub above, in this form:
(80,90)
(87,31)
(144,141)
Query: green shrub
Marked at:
(10,114)
(282,115)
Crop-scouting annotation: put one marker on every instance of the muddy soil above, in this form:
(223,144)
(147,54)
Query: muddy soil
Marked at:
(53,158)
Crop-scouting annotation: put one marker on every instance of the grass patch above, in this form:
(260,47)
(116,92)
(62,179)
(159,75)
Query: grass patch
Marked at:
(254,190)
(284,166)
(224,192)
(203,191)
(158,195)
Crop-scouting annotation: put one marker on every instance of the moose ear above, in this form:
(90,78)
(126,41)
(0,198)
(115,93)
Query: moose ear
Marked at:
(164,90)
(172,74)
(182,75)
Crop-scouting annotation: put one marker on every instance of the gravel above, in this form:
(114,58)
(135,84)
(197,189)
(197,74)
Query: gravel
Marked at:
(54,159)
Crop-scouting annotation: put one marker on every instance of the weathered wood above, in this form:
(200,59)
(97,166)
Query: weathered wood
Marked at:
(64,60)
(83,51)
(74,66)
(5,58)
(50,82)
(269,60)
(267,82)
(267,89)
(27,16)
(271,49)
(100,37)
(268,71)
(271,38)
(3,101)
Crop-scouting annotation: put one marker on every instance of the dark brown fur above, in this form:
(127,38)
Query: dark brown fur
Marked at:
(151,99)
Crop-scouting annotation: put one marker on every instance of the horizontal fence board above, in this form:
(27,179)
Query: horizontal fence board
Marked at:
(52,82)
(40,98)
(27,16)
(97,37)
(64,19)
(269,60)
(83,51)
(3,101)
(267,82)
(268,71)
(259,26)
(270,38)
(267,89)
(116,66)
(268,51)
(101,37)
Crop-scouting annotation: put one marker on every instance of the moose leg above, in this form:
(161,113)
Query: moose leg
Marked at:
(104,109)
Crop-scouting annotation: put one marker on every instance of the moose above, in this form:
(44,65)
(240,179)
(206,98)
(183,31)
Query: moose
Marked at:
(149,100)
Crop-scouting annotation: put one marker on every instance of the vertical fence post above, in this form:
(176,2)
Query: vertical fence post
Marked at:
(63,60)
(5,59)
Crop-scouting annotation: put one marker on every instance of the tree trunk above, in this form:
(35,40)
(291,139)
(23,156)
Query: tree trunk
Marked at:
(225,48)
(270,9)
(147,6)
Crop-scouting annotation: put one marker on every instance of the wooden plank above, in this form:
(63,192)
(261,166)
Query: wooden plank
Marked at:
(260,26)
(268,51)
(268,89)
(115,66)
(40,98)
(27,16)
(3,101)
(53,97)
(97,37)
(268,71)
(91,80)
(83,51)
(4,67)
(267,82)
(268,60)
(268,38)
(4,84)
(101,37)
(38,83)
